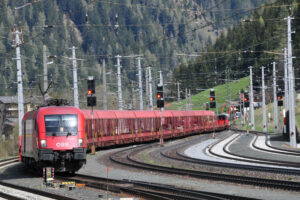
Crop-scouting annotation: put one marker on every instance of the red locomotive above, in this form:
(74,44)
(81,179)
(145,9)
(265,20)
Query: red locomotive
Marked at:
(54,136)
(107,128)
(223,120)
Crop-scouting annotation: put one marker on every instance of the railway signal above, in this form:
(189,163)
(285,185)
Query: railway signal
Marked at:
(212,99)
(206,106)
(91,100)
(246,99)
(160,96)
(91,85)
(279,98)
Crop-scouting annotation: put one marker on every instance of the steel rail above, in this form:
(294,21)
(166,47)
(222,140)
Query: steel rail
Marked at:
(35,191)
(7,162)
(279,151)
(278,184)
(258,160)
(147,189)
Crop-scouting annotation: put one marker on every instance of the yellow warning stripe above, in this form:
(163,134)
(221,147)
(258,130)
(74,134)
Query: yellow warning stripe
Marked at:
(68,183)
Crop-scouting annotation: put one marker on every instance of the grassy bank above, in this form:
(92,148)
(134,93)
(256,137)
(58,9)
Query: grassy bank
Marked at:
(222,92)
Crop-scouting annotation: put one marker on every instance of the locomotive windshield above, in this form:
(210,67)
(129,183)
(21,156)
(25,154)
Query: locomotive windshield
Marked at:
(61,125)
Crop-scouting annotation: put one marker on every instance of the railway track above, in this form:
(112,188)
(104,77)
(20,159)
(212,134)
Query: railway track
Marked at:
(14,191)
(127,158)
(244,158)
(176,153)
(9,161)
(147,190)
(273,149)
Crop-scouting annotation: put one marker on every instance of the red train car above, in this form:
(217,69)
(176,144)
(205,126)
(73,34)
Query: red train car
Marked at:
(54,136)
(113,127)
(223,120)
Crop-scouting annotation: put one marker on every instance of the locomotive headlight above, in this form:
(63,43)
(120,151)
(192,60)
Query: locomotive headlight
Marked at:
(80,142)
(43,143)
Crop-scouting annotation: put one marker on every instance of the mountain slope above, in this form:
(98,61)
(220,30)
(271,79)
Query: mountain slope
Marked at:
(158,30)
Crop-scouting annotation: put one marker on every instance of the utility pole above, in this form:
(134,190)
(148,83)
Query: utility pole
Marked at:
(17,43)
(241,102)
(140,83)
(292,125)
(275,99)
(161,82)
(263,100)
(133,96)
(178,96)
(150,89)
(45,74)
(186,99)
(75,82)
(286,88)
(119,83)
(147,89)
(190,100)
(104,85)
(228,92)
(251,101)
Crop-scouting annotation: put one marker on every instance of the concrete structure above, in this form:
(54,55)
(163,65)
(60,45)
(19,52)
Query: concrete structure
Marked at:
(9,112)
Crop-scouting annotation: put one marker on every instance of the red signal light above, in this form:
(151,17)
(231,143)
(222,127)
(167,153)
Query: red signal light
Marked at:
(245,99)
(279,97)
(211,98)
(158,96)
(89,92)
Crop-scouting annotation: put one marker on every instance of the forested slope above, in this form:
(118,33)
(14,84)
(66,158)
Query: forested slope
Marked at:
(158,30)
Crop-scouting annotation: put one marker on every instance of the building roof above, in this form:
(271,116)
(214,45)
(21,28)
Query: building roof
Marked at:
(14,100)
(9,99)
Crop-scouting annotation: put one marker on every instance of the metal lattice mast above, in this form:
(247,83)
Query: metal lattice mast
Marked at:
(186,99)
(133,96)
(150,89)
(45,73)
(119,83)
(147,88)
(190,100)
(161,82)
(251,101)
(286,86)
(275,99)
(104,85)
(140,83)
(75,82)
(263,99)
(178,96)
(17,43)
(292,126)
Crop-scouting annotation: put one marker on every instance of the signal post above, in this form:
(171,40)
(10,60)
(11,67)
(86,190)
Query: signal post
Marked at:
(91,102)
(160,104)
(212,104)
(279,97)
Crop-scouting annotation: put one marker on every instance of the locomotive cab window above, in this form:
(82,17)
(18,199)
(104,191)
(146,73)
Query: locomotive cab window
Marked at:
(61,125)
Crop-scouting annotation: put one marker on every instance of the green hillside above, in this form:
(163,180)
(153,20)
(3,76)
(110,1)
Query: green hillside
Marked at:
(258,118)
(223,94)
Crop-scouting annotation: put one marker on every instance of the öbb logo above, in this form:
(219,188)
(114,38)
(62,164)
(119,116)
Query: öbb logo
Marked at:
(62,144)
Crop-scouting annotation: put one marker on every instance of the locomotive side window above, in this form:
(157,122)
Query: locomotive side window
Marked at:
(61,125)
